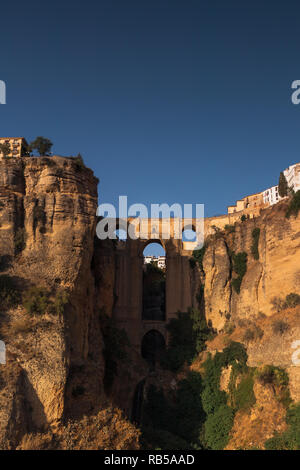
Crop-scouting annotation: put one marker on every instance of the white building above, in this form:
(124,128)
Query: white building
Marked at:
(159,260)
(271,196)
(292,175)
(161,263)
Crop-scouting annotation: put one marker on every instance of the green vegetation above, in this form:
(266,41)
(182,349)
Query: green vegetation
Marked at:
(229,328)
(276,377)
(20,240)
(199,416)
(152,267)
(290,439)
(252,334)
(200,294)
(282,185)
(294,205)
(243,218)
(9,295)
(239,261)
(188,334)
(115,343)
(5,149)
(242,396)
(60,301)
(215,400)
(78,162)
(229,228)
(218,426)
(255,240)
(37,301)
(279,327)
(291,301)
(198,256)
(41,145)
(175,424)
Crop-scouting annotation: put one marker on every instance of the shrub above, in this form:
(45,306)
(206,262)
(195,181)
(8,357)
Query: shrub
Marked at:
(248,335)
(272,375)
(36,301)
(167,424)
(252,334)
(215,400)
(280,327)
(229,328)
(200,294)
(243,396)
(278,304)
(198,256)
(230,228)
(261,315)
(292,300)
(294,205)
(78,162)
(243,218)
(152,267)
(188,334)
(240,268)
(218,426)
(258,333)
(9,295)
(290,439)
(255,240)
(60,301)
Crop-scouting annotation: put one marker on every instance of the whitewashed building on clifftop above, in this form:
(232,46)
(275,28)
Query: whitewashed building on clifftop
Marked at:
(271,195)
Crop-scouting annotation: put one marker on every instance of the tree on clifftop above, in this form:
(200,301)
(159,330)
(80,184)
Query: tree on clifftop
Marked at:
(282,185)
(5,149)
(42,145)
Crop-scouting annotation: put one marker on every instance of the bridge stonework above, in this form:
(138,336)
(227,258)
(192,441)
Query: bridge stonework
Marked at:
(129,279)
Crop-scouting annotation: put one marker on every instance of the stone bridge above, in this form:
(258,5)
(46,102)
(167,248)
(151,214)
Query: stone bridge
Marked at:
(129,273)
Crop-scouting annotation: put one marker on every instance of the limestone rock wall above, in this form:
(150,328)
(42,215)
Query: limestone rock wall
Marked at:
(50,204)
(274,275)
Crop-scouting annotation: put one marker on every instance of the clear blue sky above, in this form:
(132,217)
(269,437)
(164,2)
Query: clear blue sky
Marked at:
(168,101)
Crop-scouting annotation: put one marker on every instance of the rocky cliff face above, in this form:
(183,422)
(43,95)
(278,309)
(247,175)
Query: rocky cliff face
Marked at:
(273,276)
(256,316)
(53,384)
(55,363)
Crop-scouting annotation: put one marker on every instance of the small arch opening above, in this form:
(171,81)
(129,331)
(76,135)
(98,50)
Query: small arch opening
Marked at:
(189,234)
(153,347)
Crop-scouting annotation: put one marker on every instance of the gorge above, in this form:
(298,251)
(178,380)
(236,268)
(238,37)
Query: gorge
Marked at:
(71,319)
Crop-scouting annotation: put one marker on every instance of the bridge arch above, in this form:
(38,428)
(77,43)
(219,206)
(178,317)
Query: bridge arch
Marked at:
(153,346)
(154,283)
